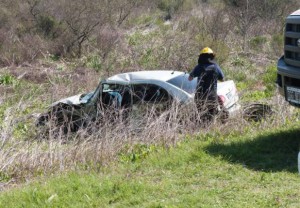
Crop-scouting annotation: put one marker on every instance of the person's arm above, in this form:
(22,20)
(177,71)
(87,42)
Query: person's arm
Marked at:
(221,76)
(193,74)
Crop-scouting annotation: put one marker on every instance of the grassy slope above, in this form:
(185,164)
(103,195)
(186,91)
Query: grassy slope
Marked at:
(234,170)
(250,170)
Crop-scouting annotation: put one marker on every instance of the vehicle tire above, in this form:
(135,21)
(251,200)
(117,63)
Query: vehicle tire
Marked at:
(256,112)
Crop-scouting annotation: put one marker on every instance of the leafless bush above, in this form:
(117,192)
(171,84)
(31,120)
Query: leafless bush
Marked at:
(75,28)
(17,50)
(107,40)
(250,18)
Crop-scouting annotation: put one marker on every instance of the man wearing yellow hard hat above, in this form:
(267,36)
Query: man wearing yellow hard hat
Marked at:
(208,73)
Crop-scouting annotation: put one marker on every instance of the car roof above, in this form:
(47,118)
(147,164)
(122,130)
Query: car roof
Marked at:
(161,75)
(296,13)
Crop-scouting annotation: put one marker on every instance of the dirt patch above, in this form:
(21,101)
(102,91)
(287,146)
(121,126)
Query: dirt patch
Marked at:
(30,74)
(40,75)
(37,78)
(57,83)
(5,91)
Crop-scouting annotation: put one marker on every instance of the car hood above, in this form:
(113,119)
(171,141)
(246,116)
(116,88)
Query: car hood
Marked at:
(76,99)
(73,100)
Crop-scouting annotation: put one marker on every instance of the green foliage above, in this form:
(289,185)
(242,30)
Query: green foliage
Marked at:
(4,177)
(135,39)
(241,86)
(54,57)
(238,74)
(268,78)
(238,61)
(222,51)
(148,59)
(67,29)
(277,42)
(24,129)
(149,55)
(7,79)
(140,40)
(277,39)
(2,112)
(46,25)
(137,153)
(255,95)
(170,6)
(258,42)
(94,62)
(144,19)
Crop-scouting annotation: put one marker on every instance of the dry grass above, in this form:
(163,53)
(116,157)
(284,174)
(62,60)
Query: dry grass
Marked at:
(96,146)
(36,152)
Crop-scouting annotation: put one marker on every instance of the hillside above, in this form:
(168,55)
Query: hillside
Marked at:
(52,50)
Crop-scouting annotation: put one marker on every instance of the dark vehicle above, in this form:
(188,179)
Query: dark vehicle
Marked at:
(288,74)
(288,67)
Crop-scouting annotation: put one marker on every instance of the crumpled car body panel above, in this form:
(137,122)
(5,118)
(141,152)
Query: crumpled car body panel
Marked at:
(128,89)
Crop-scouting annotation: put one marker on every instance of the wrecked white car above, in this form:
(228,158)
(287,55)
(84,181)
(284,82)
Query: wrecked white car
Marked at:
(131,90)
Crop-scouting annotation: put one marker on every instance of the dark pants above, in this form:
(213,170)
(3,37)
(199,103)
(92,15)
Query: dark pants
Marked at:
(207,104)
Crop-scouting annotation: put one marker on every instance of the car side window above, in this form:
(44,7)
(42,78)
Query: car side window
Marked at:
(183,83)
(149,93)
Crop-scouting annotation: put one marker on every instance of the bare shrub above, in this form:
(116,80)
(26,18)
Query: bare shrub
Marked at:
(123,9)
(73,28)
(17,50)
(107,40)
(252,18)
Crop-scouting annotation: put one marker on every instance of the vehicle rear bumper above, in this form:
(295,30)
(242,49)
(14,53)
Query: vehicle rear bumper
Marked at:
(234,109)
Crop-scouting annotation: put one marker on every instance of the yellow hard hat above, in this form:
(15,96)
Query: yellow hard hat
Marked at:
(206,50)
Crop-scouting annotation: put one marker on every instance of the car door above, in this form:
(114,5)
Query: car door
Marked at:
(149,100)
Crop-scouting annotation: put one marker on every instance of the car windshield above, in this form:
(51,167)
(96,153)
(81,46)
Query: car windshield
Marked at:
(85,98)
(106,88)
(112,87)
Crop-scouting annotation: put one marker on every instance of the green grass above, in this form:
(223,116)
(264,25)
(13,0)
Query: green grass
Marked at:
(7,79)
(253,169)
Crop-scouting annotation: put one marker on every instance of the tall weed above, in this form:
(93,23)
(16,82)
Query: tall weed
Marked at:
(52,149)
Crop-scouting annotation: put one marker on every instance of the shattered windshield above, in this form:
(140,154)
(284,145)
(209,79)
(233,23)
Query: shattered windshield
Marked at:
(112,87)
(85,98)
